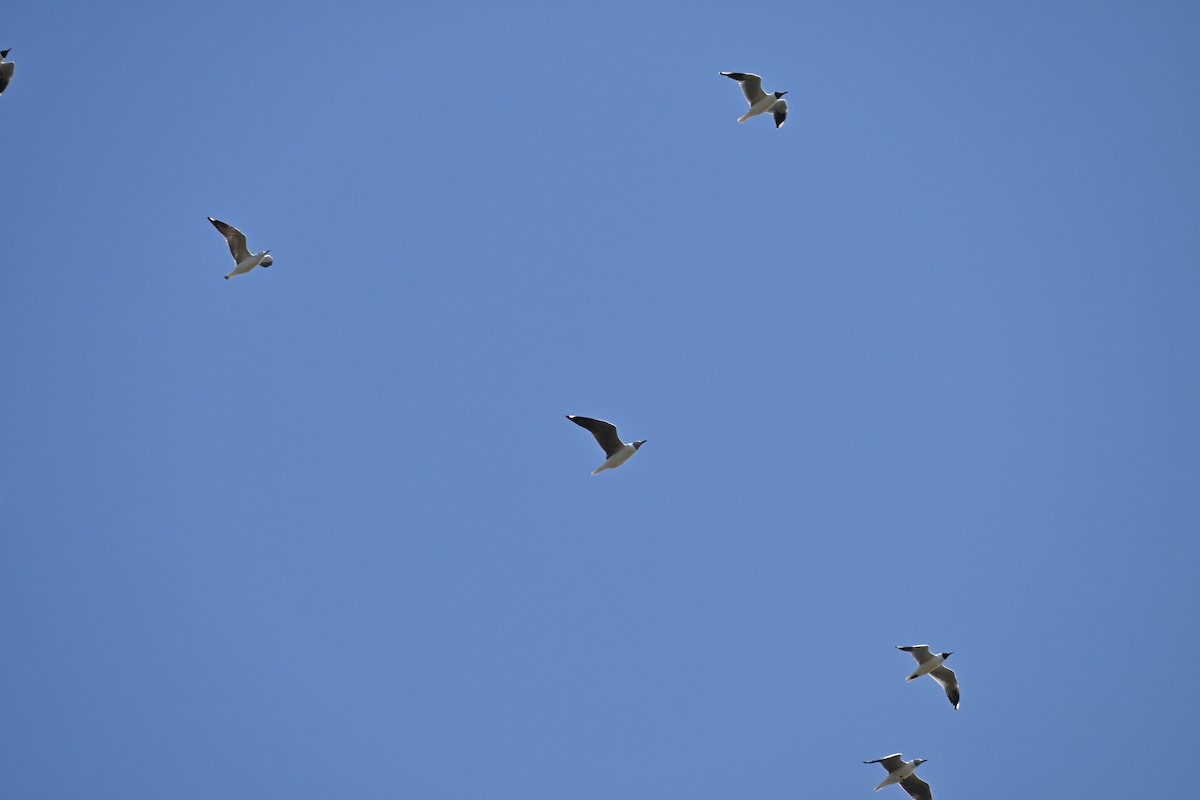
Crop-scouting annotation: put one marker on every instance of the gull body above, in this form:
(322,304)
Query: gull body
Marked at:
(901,772)
(243,259)
(616,452)
(760,102)
(933,665)
(6,70)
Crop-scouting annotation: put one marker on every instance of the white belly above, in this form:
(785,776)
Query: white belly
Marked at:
(617,459)
(763,105)
(930,665)
(245,266)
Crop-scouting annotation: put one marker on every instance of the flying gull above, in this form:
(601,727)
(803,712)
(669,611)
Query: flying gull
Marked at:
(931,664)
(616,452)
(6,70)
(901,772)
(244,259)
(760,102)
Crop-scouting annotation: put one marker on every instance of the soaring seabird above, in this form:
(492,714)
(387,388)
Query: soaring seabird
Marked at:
(901,772)
(760,102)
(244,259)
(616,451)
(6,70)
(931,664)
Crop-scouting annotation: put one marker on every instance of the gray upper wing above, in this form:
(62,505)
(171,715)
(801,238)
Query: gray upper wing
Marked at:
(919,651)
(605,433)
(235,238)
(917,788)
(751,85)
(890,763)
(949,681)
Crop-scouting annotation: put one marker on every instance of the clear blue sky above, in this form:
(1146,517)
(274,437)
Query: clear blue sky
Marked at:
(921,366)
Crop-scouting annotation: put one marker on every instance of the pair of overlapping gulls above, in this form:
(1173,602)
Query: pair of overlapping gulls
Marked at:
(243,259)
(901,771)
(6,70)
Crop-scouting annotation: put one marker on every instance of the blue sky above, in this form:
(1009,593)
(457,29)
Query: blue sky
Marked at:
(918,367)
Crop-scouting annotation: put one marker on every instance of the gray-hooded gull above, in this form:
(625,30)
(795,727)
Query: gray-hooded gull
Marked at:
(243,259)
(616,452)
(901,772)
(932,664)
(760,102)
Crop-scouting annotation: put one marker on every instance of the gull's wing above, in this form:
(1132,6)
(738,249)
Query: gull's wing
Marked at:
(236,239)
(751,85)
(917,788)
(918,651)
(605,433)
(6,73)
(949,681)
(780,112)
(890,763)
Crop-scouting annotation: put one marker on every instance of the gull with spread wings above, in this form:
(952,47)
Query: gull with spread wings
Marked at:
(901,772)
(933,665)
(243,259)
(760,102)
(616,452)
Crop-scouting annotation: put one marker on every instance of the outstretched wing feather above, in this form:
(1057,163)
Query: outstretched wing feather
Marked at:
(751,85)
(605,433)
(235,238)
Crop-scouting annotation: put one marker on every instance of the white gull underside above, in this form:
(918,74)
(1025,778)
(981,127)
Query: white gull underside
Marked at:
(616,459)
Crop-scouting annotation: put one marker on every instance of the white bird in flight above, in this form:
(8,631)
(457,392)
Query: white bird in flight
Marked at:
(760,102)
(242,257)
(901,772)
(6,70)
(932,664)
(616,452)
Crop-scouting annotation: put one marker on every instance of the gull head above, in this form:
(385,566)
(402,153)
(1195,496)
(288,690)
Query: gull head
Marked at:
(779,95)
(4,53)
(919,761)
(946,655)
(638,444)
